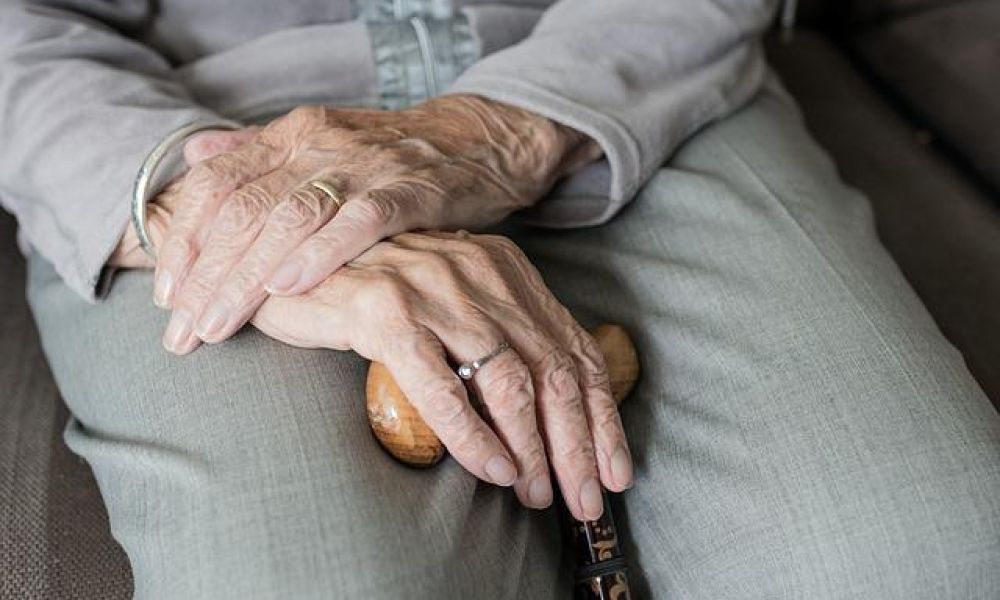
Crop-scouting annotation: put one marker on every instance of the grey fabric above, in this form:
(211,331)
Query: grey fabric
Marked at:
(256,80)
(418,59)
(944,64)
(942,229)
(802,429)
(114,78)
(64,89)
(637,76)
(54,542)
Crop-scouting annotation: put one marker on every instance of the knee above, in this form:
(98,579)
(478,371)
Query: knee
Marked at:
(935,548)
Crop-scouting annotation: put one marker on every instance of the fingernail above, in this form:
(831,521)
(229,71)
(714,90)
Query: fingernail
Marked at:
(164,287)
(188,345)
(621,467)
(590,499)
(212,321)
(501,470)
(540,492)
(178,331)
(285,278)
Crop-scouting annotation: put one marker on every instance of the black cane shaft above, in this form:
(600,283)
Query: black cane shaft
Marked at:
(601,568)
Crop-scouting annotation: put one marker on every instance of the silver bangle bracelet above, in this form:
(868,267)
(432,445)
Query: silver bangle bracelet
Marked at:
(141,192)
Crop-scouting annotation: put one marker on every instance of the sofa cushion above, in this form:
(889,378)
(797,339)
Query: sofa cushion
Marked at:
(870,11)
(942,230)
(54,537)
(838,13)
(944,65)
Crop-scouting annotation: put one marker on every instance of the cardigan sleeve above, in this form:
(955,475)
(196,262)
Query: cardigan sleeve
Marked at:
(80,105)
(638,76)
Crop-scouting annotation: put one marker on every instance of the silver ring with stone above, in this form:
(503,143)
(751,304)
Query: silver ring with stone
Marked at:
(468,370)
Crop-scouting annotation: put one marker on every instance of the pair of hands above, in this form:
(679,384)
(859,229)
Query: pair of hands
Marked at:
(242,237)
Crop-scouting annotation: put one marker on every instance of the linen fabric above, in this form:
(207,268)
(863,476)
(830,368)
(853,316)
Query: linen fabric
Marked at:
(801,428)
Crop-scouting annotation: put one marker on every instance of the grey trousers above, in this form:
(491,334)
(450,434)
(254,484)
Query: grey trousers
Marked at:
(801,429)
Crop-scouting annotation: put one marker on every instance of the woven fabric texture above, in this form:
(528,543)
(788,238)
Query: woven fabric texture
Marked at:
(54,538)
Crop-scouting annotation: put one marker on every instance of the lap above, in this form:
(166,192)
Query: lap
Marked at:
(801,426)
(248,470)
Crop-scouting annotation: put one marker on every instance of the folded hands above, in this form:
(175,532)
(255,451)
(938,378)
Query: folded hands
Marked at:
(243,237)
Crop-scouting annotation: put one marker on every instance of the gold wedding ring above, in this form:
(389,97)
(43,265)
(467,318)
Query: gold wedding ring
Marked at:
(327,188)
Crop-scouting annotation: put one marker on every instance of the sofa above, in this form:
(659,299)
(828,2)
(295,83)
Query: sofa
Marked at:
(903,94)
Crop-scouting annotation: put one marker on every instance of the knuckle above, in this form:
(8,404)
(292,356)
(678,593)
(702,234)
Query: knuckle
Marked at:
(380,209)
(470,440)
(208,179)
(560,377)
(578,455)
(432,266)
(196,289)
(504,247)
(207,172)
(218,174)
(509,391)
(475,251)
(415,147)
(475,257)
(594,372)
(304,117)
(534,457)
(597,380)
(242,211)
(301,210)
(242,284)
(393,155)
(177,250)
(501,242)
(317,248)
(444,404)
(516,408)
(606,420)
(389,298)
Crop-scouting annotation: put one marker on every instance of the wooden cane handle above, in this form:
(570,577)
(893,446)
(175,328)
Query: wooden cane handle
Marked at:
(405,435)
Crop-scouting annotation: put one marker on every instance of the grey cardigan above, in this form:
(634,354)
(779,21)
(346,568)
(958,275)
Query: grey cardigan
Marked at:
(87,88)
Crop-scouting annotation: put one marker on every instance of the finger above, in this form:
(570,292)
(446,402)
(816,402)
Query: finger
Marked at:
(359,224)
(439,396)
(205,187)
(212,142)
(611,447)
(504,386)
(129,254)
(563,418)
(614,459)
(232,232)
(242,291)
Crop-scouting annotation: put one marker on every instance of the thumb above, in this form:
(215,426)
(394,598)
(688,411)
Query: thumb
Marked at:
(211,142)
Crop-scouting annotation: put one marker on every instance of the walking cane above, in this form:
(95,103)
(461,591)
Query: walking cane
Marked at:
(601,568)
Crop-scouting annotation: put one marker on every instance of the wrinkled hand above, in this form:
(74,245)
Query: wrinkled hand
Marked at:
(248,223)
(417,300)
(201,146)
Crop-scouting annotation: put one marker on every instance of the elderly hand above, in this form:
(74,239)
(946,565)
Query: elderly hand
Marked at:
(202,146)
(249,223)
(417,300)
